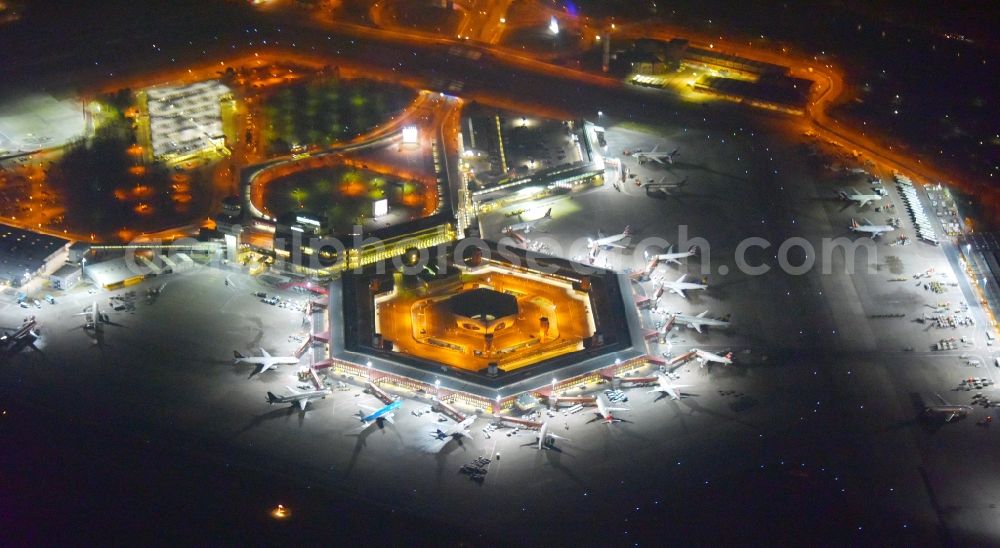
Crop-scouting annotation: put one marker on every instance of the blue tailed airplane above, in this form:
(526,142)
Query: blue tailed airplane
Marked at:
(370,415)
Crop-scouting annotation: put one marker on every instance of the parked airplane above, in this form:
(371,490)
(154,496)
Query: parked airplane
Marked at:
(947,410)
(674,257)
(457,430)
(697,322)
(297,397)
(545,437)
(856,196)
(608,242)
(370,415)
(869,228)
(28,328)
(528,226)
(265,361)
(655,155)
(604,409)
(678,287)
(707,357)
(93,315)
(665,387)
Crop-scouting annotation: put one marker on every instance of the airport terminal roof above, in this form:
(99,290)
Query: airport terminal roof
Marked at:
(23,251)
(115,271)
(483,303)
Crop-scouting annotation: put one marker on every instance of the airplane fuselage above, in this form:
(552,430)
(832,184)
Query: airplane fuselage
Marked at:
(382,412)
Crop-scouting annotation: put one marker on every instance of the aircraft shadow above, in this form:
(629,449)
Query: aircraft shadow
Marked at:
(442,455)
(698,408)
(281,412)
(554,460)
(358,446)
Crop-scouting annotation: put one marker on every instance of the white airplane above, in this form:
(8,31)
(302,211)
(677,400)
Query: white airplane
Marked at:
(608,242)
(665,187)
(297,397)
(457,430)
(678,287)
(655,156)
(708,357)
(265,361)
(869,228)
(862,200)
(544,436)
(665,387)
(528,226)
(94,315)
(604,409)
(947,410)
(674,257)
(697,322)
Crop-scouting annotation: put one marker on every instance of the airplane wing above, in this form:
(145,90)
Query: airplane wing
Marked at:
(678,291)
(388,418)
(657,159)
(292,390)
(862,202)
(367,410)
(696,326)
(950,417)
(619,246)
(264,353)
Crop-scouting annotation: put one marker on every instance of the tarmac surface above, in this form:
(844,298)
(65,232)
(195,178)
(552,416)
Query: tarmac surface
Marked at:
(813,434)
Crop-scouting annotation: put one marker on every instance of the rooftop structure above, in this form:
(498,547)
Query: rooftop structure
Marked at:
(23,253)
(38,122)
(186,119)
(493,320)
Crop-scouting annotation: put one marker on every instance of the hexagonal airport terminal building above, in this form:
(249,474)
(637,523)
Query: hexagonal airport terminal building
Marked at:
(490,319)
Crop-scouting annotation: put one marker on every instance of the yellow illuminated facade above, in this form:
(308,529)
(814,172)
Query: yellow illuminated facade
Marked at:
(551,318)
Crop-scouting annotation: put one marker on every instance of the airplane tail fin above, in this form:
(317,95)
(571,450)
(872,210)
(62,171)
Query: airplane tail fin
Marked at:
(628,230)
(842,193)
(237,356)
(271,398)
(548,214)
(693,250)
(854,223)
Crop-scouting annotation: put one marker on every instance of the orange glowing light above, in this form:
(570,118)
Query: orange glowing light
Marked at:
(280,512)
